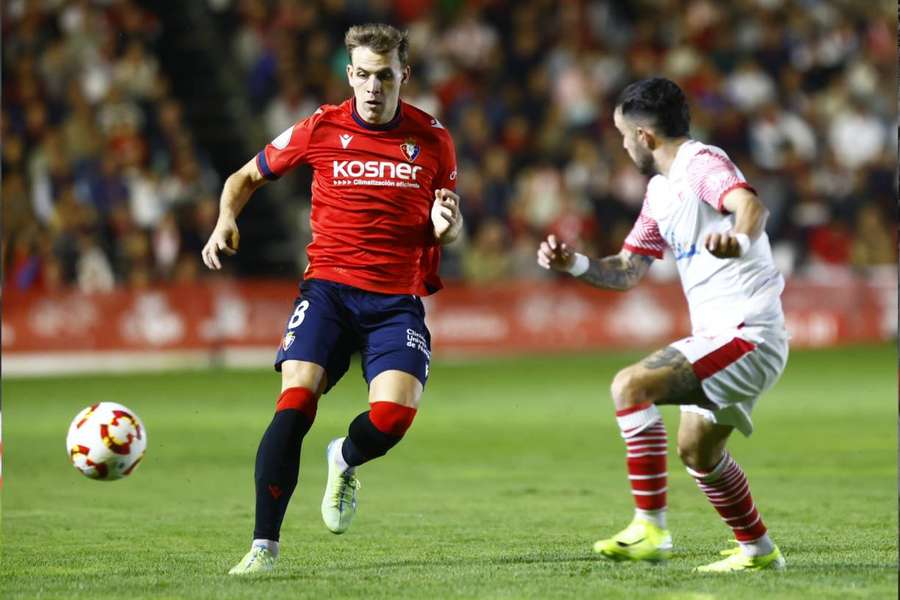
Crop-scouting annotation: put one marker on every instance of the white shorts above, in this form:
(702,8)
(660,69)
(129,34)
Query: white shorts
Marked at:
(735,367)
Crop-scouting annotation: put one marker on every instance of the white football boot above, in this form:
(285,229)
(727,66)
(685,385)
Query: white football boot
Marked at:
(339,501)
(258,560)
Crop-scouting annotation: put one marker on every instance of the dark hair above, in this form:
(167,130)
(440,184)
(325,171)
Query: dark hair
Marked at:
(379,38)
(661,101)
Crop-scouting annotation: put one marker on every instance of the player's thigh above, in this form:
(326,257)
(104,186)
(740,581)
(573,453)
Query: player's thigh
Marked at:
(301,373)
(317,334)
(396,386)
(701,441)
(735,367)
(395,338)
(664,377)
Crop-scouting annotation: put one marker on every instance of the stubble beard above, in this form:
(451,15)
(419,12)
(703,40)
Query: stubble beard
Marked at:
(646,165)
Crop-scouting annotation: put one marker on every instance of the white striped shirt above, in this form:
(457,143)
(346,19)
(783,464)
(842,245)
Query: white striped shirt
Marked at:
(679,211)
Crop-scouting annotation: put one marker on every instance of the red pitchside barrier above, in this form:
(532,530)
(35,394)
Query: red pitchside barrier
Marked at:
(517,317)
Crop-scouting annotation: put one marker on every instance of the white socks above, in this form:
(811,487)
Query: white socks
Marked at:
(337,455)
(270,545)
(657,517)
(758,547)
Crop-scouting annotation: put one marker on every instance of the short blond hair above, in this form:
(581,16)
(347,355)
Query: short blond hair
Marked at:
(379,38)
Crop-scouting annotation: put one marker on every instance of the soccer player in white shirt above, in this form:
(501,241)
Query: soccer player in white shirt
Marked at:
(699,205)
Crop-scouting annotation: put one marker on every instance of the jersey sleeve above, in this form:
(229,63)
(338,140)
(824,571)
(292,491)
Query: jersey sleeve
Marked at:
(711,176)
(645,237)
(446,175)
(289,149)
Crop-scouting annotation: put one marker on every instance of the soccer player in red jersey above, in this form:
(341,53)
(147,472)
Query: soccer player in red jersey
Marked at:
(383,203)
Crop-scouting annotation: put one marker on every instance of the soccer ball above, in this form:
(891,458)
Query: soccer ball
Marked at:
(106,441)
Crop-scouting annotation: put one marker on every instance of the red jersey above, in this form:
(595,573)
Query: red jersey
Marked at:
(372,191)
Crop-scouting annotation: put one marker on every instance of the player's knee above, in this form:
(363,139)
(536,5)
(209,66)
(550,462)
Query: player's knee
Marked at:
(301,399)
(295,373)
(628,389)
(391,418)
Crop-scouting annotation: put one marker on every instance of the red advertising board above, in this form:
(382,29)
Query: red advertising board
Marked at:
(505,318)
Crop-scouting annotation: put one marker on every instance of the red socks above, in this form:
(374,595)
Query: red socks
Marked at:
(727,489)
(646,442)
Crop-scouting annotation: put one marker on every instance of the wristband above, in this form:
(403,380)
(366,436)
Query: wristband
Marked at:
(580,266)
(743,241)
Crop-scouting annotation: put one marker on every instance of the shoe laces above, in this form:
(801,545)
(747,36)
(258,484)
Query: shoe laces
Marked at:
(258,553)
(347,488)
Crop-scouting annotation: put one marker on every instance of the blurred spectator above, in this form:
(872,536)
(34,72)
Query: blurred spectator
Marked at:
(94,273)
(874,242)
(779,138)
(856,136)
(488,258)
(98,157)
(749,87)
(89,131)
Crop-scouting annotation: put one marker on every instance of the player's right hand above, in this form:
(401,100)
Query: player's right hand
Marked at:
(224,239)
(554,254)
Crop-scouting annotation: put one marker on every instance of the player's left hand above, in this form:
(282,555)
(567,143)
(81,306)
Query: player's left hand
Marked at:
(722,245)
(445,215)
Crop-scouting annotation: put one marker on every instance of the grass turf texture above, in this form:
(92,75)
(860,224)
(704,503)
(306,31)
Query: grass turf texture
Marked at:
(512,469)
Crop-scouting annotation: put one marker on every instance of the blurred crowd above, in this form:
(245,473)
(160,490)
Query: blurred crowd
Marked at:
(104,184)
(800,93)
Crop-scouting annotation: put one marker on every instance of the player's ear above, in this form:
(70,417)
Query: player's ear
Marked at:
(350,74)
(405,74)
(646,137)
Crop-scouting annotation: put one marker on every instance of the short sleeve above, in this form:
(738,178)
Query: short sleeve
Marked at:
(288,150)
(446,176)
(711,176)
(645,237)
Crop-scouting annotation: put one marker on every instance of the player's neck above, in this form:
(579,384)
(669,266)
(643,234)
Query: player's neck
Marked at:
(664,155)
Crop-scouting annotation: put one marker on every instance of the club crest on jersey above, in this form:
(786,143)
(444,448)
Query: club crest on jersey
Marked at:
(410,149)
(288,340)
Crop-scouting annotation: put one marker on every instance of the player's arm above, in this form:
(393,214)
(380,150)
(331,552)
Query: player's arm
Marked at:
(750,216)
(237,190)
(621,271)
(446,217)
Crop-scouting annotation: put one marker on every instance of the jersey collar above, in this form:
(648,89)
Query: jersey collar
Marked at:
(393,123)
(685,151)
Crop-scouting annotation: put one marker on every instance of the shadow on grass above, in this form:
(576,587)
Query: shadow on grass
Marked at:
(441,563)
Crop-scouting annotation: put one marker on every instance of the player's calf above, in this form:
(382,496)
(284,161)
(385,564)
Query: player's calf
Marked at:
(278,459)
(646,444)
(727,489)
(373,433)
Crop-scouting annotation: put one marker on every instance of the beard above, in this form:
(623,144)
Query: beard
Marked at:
(645,164)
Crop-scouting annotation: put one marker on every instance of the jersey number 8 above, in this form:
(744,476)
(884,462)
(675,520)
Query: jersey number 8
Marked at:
(299,314)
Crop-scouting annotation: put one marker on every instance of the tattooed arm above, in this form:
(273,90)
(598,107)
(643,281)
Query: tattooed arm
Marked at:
(621,271)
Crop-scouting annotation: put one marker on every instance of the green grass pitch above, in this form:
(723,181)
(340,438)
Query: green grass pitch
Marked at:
(511,471)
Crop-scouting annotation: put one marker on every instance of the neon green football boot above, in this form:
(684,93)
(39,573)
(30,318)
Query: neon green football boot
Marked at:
(258,560)
(641,540)
(738,561)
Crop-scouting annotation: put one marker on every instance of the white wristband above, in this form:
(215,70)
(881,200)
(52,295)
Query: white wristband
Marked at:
(743,241)
(580,266)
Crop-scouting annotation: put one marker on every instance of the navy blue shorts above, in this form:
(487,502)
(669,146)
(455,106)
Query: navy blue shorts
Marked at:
(331,321)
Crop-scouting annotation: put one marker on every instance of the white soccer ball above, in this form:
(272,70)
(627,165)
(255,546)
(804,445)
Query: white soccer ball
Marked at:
(106,441)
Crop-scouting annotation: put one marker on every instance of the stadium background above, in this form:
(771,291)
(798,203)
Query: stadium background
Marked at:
(120,121)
